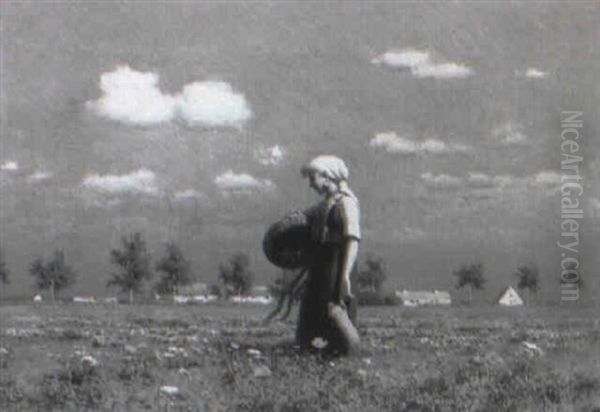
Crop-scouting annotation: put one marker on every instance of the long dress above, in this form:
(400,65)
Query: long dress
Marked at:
(335,220)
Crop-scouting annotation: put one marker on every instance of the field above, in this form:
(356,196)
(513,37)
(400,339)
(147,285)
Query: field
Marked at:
(220,358)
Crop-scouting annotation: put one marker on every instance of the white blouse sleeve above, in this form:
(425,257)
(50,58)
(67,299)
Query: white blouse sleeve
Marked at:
(351,216)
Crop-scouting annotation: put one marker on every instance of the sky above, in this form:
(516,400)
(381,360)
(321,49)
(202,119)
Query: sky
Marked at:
(189,122)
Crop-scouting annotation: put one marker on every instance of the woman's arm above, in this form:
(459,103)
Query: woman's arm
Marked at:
(350,251)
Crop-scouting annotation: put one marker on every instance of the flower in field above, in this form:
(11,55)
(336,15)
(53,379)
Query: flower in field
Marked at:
(169,390)
(90,361)
(254,352)
(319,342)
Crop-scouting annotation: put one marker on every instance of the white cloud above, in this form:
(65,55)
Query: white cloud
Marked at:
(420,64)
(392,143)
(482,180)
(407,58)
(9,166)
(442,71)
(187,194)
(510,134)
(142,181)
(441,180)
(134,98)
(213,104)
(270,156)
(232,182)
(534,73)
(545,178)
(39,177)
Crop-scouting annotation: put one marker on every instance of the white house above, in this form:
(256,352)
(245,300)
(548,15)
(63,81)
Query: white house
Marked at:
(420,298)
(84,299)
(510,297)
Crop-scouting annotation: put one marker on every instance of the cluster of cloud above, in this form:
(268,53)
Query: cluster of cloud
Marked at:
(141,181)
(134,98)
(392,143)
(543,179)
(188,194)
(533,73)
(420,64)
(9,166)
(38,177)
(230,182)
(270,156)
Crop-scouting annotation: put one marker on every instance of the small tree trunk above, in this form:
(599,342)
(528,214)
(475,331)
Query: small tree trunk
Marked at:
(131,296)
(52,291)
(470,291)
(527,296)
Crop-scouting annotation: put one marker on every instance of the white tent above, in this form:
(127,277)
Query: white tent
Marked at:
(510,297)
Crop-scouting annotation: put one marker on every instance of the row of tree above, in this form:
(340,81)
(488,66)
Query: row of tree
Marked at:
(133,267)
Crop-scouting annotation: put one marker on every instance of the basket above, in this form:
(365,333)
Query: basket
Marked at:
(287,243)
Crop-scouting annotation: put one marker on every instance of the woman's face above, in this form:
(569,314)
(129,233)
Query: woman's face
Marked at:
(320,184)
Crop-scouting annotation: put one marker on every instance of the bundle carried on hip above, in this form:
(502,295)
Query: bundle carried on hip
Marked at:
(287,243)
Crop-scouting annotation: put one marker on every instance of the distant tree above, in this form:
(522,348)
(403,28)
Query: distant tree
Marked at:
(53,275)
(236,275)
(371,274)
(528,280)
(175,271)
(470,276)
(133,263)
(3,270)
(215,290)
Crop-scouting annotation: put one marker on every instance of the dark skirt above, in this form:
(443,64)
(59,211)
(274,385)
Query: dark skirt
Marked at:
(322,288)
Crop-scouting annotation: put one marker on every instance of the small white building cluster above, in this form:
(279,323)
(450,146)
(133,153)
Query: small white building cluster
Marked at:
(423,298)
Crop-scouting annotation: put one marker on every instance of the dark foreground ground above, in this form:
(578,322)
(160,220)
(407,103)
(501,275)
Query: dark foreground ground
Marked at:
(219,358)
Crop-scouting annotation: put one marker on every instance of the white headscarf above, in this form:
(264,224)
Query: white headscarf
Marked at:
(331,167)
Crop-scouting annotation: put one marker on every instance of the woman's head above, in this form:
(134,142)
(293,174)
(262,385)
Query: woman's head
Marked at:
(326,173)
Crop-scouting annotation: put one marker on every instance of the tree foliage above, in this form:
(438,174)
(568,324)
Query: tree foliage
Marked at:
(53,275)
(236,275)
(470,276)
(371,274)
(527,277)
(133,265)
(175,271)
(4,274)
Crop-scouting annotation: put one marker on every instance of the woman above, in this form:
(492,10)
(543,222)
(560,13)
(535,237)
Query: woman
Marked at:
(336,230)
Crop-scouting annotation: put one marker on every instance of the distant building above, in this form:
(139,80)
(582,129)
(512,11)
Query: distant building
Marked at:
(84,299)
(421,298)
(510,297)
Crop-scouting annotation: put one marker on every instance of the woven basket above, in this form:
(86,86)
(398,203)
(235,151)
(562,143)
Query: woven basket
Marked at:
(287,243)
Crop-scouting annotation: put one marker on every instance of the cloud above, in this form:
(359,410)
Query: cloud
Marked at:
(534,73)
(482,180)
(142,181)
(441,180)
(9,166)
(39,177)
(545,178)
(421,65)
(241,183)
(187,194)
(510,134)
(213,104)
(134,98)
(392,143)
(270,156)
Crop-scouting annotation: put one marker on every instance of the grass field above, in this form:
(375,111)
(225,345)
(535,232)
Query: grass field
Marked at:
(219,358)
